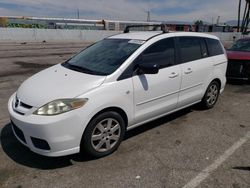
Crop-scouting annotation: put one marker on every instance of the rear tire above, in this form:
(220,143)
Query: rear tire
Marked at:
(103,134)
(211,96)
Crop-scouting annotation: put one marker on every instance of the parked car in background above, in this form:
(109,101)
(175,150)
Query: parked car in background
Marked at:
(239,60)
(88,102)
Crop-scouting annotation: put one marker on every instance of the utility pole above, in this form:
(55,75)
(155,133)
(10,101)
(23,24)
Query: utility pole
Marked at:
(239,8)
(218,20)
(78,14)
(148,16)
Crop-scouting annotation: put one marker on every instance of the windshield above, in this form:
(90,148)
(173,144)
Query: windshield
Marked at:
(241,45)
(104,57)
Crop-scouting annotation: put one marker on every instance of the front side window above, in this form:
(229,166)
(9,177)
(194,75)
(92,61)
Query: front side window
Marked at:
(104,57)
(190,49)
(161,53)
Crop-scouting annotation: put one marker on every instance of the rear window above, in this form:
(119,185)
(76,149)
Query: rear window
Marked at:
(190,48)
(214,47)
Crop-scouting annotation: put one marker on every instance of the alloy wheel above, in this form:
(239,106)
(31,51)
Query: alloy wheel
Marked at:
(105,135)
(212,94)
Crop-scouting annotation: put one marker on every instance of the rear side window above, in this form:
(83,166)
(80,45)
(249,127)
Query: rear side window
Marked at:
(190,48)
(214,47)
(161,53)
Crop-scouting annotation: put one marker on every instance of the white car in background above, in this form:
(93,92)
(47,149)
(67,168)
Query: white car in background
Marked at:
(88,102)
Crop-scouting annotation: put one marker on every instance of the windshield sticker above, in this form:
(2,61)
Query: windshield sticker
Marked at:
(133,41)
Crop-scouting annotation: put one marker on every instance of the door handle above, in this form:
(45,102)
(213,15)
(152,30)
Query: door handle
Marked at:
(173,75)
(188,71)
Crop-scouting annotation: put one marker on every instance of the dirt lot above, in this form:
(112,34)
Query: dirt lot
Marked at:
(191,148)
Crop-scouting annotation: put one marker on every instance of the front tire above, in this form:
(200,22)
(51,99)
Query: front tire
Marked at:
(103,134)
(211,96)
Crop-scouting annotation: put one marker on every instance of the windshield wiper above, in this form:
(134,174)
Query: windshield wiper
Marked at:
(81,69)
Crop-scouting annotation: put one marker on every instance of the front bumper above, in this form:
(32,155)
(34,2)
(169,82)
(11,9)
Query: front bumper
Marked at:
(62,133)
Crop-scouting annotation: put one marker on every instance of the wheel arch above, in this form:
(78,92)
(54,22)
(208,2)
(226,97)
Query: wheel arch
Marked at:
(217,80)
(209,82)
(119,110)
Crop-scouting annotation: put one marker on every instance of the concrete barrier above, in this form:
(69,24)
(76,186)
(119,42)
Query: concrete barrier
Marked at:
(59,35)
(227,38)
(52,35)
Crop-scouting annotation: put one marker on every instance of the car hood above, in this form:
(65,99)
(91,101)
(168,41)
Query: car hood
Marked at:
(56,82)
(237,55)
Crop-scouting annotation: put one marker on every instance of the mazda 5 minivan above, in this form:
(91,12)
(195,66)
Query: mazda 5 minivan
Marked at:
(123,81)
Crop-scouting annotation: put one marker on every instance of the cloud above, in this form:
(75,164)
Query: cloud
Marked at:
(164,10)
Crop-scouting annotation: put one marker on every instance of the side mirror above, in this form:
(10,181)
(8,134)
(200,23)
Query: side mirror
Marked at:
(148,68)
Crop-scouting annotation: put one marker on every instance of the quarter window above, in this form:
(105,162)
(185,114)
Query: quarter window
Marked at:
(214,47)
(190,48)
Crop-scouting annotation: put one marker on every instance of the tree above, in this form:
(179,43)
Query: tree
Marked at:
(245,19)
(198,25)
(198,22)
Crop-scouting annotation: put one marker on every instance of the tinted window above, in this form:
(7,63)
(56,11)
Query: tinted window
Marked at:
(214,47)
(190,48)
(161,53)
(104,57)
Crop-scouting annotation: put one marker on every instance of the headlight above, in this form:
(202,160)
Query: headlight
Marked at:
(60,106)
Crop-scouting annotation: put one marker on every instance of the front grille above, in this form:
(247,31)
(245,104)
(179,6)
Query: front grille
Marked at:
(18,132)
(238,69)
(25,105)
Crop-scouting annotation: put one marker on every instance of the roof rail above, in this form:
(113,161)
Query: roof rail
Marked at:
(163,27)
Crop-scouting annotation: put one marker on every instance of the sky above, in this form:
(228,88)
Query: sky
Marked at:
(160,10)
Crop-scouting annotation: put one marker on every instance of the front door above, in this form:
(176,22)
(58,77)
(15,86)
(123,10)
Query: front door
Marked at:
(156,94)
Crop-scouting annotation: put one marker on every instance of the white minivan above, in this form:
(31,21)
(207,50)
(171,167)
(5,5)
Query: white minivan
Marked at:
(123,81)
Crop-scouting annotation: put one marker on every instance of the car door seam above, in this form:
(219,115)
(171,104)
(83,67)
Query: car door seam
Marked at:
(220,63)
(156,98)
(191,87)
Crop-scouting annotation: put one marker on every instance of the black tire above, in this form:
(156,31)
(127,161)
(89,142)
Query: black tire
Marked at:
(90,146)
(206,103)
